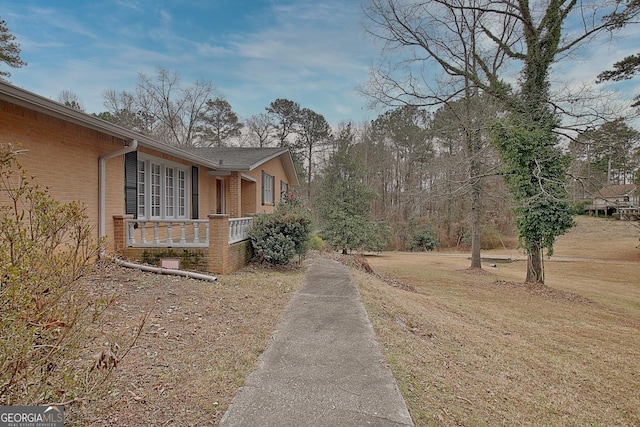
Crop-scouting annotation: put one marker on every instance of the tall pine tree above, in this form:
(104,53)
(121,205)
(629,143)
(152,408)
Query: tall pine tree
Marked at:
(344,200)
(9,50)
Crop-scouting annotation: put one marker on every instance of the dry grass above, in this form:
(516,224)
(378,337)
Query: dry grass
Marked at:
(480,350)
(199,344)
(467,348)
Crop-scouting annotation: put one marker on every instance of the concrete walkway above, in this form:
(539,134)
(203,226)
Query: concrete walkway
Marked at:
(323,366)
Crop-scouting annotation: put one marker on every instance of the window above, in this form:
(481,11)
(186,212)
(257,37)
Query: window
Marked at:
(155,191)
(268,184)
(142,194)
(162,190)
(169,192)
(284,188)
(182,193)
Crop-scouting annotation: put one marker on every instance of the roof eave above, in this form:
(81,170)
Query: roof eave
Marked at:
(285,157)
(290,168)
(32,101)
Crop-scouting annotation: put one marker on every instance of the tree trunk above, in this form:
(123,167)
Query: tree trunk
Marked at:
(310,154)
(475,225)
(473,144)
(535,265)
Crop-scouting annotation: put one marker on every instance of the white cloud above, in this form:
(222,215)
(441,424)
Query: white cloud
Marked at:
(311,52)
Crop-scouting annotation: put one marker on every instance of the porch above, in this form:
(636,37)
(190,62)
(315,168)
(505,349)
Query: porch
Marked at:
(218,244)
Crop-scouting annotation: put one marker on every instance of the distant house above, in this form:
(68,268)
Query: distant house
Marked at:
(149,200)
(621,199)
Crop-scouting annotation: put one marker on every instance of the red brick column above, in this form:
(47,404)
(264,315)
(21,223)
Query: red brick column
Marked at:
(234,202)
(219,244)
(120,232)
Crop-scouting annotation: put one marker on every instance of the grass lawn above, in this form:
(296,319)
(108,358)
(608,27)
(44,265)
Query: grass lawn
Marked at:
(482,349)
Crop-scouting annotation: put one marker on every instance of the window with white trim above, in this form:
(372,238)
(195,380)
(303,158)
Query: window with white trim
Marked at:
(182,193)
(142,193)
(268,183)
(169,192)
(156,196)
(162,189)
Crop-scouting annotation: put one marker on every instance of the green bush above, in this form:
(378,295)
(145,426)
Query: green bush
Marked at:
(316,243)
(578,208)
(278,237)
(378,236)
(424,239)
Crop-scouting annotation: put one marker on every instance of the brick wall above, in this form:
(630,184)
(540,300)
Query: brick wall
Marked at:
(239,255)
(64,158)
(225,258)
(274,168)
(249,190)
(191,259)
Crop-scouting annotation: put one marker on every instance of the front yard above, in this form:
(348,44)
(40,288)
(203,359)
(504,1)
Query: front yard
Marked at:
(200,342)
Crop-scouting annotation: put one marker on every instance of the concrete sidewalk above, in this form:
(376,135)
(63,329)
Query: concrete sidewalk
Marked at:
(323,366)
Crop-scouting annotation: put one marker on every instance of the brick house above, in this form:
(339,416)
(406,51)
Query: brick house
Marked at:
(150,201)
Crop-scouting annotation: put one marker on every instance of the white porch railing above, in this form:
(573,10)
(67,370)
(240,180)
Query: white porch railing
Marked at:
(193,233)
(238,228)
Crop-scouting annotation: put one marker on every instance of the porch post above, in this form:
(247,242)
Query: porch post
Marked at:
(218,244)
(234,202)
(120,232)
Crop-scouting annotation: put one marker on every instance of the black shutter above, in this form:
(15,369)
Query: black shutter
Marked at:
(194,192)
(262,187)
(131,183)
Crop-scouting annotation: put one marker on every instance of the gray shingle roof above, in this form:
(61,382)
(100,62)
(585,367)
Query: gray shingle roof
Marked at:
(613,191)
(237,158)
(232,158)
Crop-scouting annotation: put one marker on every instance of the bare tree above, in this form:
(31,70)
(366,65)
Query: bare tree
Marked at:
(122,110)
(70,99)
(404,131)
(261,128)
(452,37)
(531,37)
(176,110)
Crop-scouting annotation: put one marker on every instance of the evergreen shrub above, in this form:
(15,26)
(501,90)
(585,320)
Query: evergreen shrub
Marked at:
(278,237)
(424,239)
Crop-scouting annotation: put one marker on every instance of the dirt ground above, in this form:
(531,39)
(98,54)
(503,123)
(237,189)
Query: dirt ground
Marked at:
(199,343)
(466,348)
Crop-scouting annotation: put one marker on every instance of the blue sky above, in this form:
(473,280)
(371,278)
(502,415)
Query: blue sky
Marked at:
(313,52)
(253,51)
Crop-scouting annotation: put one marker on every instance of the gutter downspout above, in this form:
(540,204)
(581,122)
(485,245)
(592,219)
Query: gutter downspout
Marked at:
(102,191)
(170,271)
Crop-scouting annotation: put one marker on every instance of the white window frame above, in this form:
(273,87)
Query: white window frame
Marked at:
(268,186)
(181,192)
(169,192)
(141,194)
(163,189)
(155,191)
